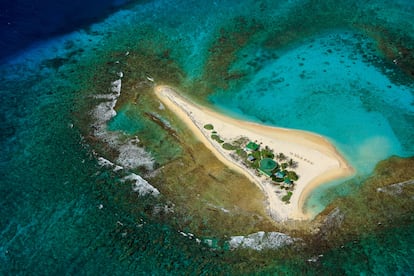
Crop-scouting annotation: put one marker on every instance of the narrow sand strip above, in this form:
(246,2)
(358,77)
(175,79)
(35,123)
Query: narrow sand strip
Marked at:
(318,160)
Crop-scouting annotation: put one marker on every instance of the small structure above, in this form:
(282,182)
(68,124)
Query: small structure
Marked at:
(267,165)
(250,158)
(251,146)
(280,174)
(288,181)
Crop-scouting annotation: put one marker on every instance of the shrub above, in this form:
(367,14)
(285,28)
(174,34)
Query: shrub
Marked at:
(209,126)
(241,153)
(216,138)
(241,141)
(287,197)
(267,153)
(228,146)
(292,175)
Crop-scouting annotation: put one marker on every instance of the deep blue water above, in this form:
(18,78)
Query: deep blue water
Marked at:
(26,22)
(51,187)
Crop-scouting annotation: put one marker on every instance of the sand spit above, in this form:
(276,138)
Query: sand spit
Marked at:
(318,160)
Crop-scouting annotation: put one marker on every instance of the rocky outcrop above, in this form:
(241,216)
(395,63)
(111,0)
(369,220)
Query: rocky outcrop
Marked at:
(261,240)
(331,222)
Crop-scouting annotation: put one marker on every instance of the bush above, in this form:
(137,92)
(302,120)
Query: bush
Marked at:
(256,155)
(209,126)
(241,141)
(292,175)
(275,179)
(228,146)
(216,138)
(267,153)
(241,153)
(287,197)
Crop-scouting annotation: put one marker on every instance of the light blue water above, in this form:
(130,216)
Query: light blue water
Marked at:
(330,86)
(125,122)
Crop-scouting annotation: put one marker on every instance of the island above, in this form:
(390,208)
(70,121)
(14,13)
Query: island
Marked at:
(286,164)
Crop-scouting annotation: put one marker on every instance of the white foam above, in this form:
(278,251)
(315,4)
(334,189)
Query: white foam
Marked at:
(141,186)
(105,111)
(261,240)
(105,162)
(130,155)
(224,210)
(116,85)
(117,168)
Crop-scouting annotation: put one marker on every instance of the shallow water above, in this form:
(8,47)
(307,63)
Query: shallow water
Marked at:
(62,213)
(325,86)
(328,85)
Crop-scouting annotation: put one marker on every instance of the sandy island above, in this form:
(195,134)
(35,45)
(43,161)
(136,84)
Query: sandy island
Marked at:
(318,160)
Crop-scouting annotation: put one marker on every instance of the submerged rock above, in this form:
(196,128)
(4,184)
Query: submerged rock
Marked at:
(261,240)
(396,188)
(332,221)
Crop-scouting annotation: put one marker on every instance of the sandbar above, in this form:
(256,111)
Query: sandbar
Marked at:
(318,160)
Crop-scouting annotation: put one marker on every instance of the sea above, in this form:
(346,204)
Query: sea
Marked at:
(341,69)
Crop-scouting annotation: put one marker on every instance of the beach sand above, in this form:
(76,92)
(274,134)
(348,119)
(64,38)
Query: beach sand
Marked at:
(318,160)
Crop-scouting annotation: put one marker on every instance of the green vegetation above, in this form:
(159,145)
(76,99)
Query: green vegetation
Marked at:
(209,126)
(292,163)
(277,179)
(281,157)
(261,160)
(292,175)
(287,197)
(241,153)
(267,153)
(228,146)
(241,141)
(217,138)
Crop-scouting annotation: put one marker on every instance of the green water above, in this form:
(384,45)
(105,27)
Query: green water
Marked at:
(62,213)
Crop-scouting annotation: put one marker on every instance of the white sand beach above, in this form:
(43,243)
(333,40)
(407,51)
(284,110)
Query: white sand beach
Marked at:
(318,160)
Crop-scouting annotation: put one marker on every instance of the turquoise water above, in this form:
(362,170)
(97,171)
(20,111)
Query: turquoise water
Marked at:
(329,85)
(325,86)
(62,213)
(125,122)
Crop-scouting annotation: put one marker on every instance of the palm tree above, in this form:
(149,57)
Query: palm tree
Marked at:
(281,156)
(292,163)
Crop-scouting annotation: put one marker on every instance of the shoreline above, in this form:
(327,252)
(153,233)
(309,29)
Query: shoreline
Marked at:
(318,160)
